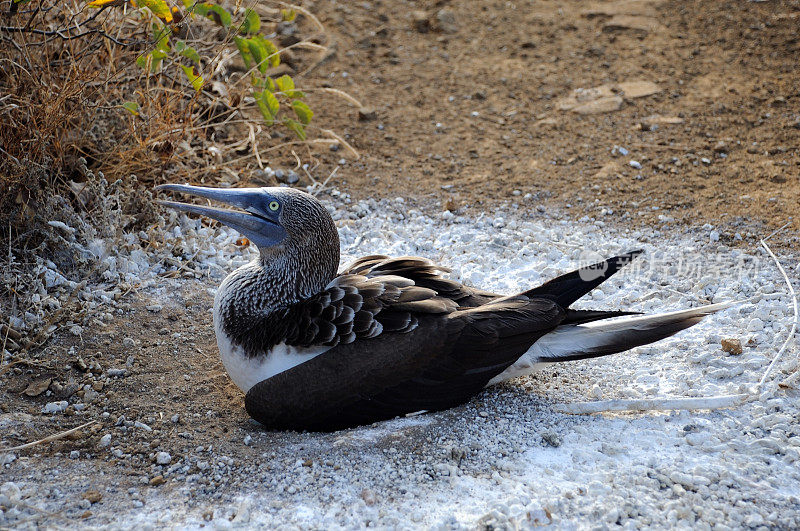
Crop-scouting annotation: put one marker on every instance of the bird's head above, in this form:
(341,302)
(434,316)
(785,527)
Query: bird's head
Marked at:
(291,229)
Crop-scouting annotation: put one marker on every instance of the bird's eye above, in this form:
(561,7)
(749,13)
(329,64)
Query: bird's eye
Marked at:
(274,206)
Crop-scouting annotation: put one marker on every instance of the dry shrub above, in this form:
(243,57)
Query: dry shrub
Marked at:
(69,150)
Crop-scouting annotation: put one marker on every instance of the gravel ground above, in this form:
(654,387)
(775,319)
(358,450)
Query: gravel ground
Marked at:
(509,458)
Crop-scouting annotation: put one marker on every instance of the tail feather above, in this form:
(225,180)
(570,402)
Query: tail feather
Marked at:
(568,288)
(576,317)
(603,337)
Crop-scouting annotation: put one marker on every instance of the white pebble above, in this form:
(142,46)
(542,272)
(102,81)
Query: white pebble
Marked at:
(55,407)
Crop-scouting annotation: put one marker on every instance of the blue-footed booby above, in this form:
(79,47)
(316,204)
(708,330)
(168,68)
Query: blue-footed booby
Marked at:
(318,350)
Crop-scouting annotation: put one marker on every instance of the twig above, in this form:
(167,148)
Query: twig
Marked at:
(337,92)
(776,231)
(342,141)
(794,305)
(321,187)
(254,144)
(50,438)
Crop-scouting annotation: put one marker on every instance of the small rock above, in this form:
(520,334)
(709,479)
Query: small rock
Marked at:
(163,458)
(157,480)
(732,346)
(55,407)
(143,426)
(105,441)
(366,114)
(420,21)
(10,490)
(602,105)
(247,440)
(292,177)
(74,454)
(175,418)
(92,496)
(128,342)
(635,164)
(446,21)
(369,497)
(155,308)
(116,372)
(637,89)
(551,438)
(38,386)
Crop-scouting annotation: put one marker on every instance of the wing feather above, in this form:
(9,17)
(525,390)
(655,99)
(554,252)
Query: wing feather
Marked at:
(373,295)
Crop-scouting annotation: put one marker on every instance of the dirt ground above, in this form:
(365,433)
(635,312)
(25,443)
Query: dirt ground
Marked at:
(726,72)
(475,105)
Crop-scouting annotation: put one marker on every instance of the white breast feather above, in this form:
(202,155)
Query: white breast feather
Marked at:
(246,371)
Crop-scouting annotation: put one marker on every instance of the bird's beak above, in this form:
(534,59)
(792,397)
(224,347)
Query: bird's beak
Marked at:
(257,223)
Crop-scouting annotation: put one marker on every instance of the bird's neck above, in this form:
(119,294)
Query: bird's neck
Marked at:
(270,283)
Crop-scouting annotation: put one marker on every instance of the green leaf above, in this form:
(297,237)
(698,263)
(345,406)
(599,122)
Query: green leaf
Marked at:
(252,23)
(187,51)
(268,104)
(158,7)
(288,15)
(264,53)
(188,3)
(302,111)
(285,83)
(132,107)
(200,9)
(244,51)
(219,15)
(298,128)
(259,53)
(161,36)
(286,86)
(274,54)
(195,79)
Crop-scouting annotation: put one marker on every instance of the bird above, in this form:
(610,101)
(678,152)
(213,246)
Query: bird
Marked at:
(318,349)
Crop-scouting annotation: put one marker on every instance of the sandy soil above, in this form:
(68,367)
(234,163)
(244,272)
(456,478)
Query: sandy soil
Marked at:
(726,72)
(475,106)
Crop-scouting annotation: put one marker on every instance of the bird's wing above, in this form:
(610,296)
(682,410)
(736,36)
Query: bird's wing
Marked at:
(424,273)
(351,307)
(442,363)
